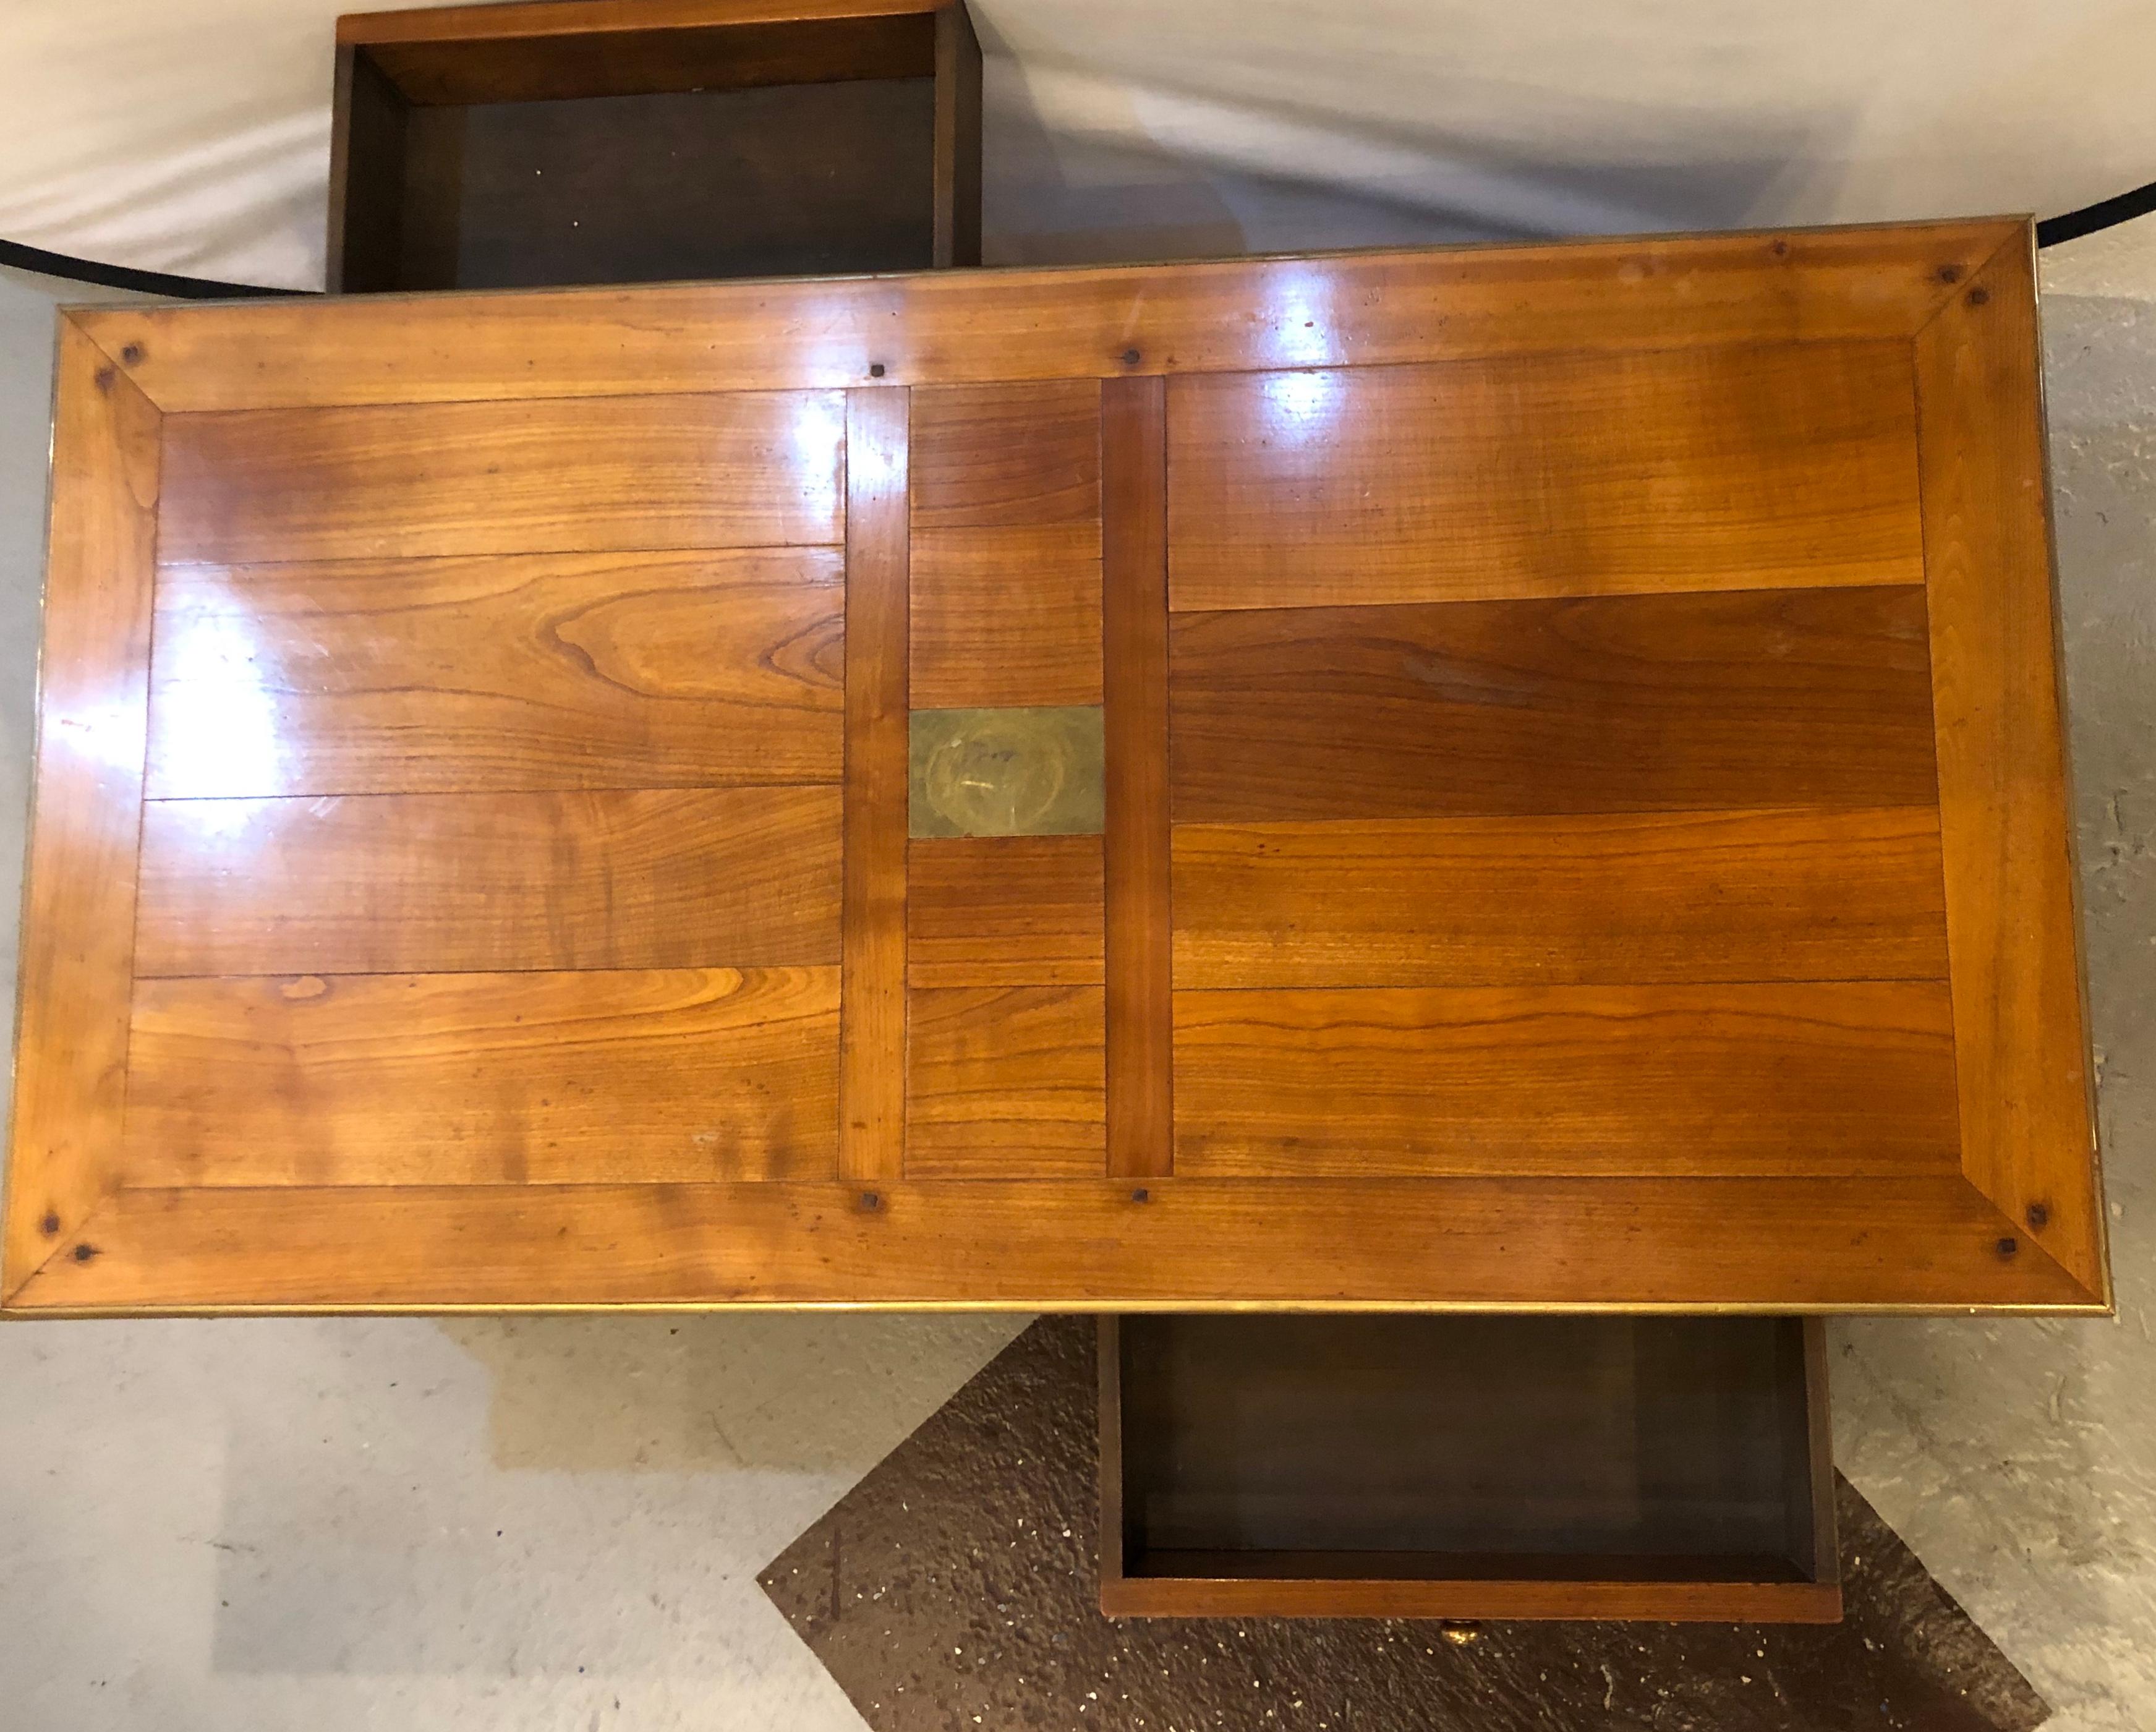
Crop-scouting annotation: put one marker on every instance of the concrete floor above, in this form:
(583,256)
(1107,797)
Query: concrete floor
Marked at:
(540,1523)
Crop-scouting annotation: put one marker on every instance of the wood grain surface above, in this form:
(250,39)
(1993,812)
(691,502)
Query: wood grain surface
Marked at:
(408,481)
(648,878)
(872,1053)
(1785,1245)
(2006,805)
(1005,595)
(1806,698)
(78,888)
(499,674)
(1004,911)
(1638,898)
(1369,309)
(566,49)
(1513,1594)
(1780,1081)
(1546,476)
(528,19)
(679,1075)
(1138,870)
(1618,748)
(1005,1083)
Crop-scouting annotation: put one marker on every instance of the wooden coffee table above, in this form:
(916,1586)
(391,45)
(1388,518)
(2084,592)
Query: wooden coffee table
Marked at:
(1493,778)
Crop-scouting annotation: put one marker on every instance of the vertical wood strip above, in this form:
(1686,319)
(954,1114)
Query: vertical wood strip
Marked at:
(872,1012)
(2005,808)
(958,144)
(1108,1351)
(1134,639)
(1819,1552)
(79,896)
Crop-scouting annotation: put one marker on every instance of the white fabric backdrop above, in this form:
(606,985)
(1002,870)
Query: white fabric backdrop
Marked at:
(192,136)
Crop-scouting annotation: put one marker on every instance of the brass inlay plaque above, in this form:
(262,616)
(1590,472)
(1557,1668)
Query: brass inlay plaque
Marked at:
(1006,772)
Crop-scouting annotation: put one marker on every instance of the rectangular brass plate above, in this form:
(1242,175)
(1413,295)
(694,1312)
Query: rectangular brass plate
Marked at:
(1006,772)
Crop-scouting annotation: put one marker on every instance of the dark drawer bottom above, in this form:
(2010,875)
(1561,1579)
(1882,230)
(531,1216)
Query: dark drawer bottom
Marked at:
(1466,1468)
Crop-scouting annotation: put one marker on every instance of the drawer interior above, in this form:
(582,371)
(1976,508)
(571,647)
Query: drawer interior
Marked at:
(788,180)
(642,146)
(1674,1451)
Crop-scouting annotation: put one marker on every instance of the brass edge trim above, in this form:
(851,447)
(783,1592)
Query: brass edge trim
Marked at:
(13,1312)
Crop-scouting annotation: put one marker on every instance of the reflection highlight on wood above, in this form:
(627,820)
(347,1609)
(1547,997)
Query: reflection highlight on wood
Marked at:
(1818,697)
(1004,911)
(1546,476)
(406,480)
(1783,1079)
(1005,1083)
(511,672)
(1637,899)
(678,1076)
(732,877)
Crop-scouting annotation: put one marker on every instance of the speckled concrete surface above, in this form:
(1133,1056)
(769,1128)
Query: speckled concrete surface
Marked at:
(345,1524)
(955,1585)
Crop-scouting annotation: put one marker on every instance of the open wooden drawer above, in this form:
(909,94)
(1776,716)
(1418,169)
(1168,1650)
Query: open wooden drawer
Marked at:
(1466,1466)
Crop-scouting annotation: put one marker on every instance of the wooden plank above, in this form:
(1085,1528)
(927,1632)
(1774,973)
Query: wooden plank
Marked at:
(1108,1474)
(523,672)
(1810,1464)
(650,878)
(745,469)
(934,328)
(1007,617)
(872,1053)
(486,1079)
(1769,1245)
(1471,1599)
(1006,456)
(78,934)
(1006,539)
(611,52)
(2006,809)
(1005,1083)
(1799,697)
(958,169)
(1004,911)
(1627,898)
(1138,875)
(368,127)
(1779,1080)
(1546,476)
(583,17)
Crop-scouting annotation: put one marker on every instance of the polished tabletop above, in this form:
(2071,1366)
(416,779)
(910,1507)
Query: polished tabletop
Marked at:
(1497,777)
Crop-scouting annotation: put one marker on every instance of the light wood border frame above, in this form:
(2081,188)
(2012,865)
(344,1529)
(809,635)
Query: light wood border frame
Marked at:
(2022,1229)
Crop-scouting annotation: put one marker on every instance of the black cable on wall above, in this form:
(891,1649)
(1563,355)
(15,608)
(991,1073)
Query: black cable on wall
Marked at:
(2105,213)
(120,276)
